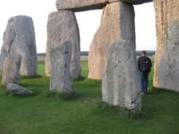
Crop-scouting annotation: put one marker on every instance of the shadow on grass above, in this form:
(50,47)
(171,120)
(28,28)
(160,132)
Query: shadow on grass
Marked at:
(65,96)
(32,77)
(156,91)
(104,107)
(80,78)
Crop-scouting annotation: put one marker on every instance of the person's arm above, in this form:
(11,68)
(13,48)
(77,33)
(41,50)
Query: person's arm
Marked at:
(150,62)
(139,63)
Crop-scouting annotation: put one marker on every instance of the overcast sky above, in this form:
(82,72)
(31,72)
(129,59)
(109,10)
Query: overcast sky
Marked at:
(88,22)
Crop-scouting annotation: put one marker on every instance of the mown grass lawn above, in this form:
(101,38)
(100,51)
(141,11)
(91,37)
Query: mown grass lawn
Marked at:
(84,113)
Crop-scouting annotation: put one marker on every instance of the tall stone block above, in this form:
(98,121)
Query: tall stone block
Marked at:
(20,34)
(166,68)
(108,33)
(62,27)
(18,50)
(120,83)
(60,80)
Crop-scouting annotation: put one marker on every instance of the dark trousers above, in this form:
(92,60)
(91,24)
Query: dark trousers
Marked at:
(144,81)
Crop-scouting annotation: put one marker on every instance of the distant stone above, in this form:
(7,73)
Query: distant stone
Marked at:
(60,80)
(121,84)
(18,90)
(62,27)
(81,5)
(166,68)
(20,37)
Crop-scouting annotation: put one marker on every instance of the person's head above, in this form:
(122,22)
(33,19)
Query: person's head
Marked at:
(143,53)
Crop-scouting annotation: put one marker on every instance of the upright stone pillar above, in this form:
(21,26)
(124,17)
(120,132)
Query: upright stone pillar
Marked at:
(166,68)
(18,50)
(63,50)
(20,33)
(108,33)
(60,80)
(120,83)
(62,27)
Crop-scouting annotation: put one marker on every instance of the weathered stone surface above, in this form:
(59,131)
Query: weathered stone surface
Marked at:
(20,35)
(63,27)
(11,67)
(106,35)
(60,80)
(18,90)
(79,5)
(136,1)
(2,57)
(120,84)
(109,32)
(166,72)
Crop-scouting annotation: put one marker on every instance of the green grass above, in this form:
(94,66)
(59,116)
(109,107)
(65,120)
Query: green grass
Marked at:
(84,114)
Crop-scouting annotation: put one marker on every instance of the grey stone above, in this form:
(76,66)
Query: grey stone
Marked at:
(11,67)
(20,36)
(62,27)
(18,90)
(60,80)
(120,84)
(79,5)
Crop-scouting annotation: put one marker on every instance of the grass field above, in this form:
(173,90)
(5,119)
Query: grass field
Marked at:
(84,114)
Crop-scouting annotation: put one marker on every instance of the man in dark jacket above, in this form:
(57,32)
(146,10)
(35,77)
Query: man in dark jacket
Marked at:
(144,66)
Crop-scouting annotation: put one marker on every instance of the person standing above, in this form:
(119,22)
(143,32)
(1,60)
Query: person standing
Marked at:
(144,66)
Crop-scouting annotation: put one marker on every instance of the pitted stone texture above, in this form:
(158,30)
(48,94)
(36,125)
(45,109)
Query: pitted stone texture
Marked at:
(62,27)
(120,84)
(60,80)
(11,67)
(115,25)
(166,72)
(80,5)
(20,34)
(136,1)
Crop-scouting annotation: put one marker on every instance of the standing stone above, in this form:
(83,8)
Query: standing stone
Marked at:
(108,33)
(60,80)
(80,5)
(166,68)
(120,83)
(63,27)
(20,34)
